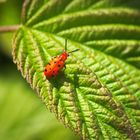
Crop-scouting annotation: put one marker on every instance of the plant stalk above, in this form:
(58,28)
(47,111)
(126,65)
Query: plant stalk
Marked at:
(10,28)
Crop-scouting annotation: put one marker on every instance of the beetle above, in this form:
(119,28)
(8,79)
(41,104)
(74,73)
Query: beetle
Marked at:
(57,63)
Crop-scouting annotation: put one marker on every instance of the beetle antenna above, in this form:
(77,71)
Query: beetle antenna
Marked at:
(65,44)
(66,47)
(74,51)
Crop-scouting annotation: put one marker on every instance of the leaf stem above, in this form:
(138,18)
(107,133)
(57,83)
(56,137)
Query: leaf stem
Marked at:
(10,28)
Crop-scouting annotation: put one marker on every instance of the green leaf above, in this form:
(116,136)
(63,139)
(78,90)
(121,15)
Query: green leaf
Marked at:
(98,94)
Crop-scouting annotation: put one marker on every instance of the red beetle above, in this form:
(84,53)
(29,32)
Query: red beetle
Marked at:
(57,63)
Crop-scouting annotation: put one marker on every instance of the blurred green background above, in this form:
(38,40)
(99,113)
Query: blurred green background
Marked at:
(22,114)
